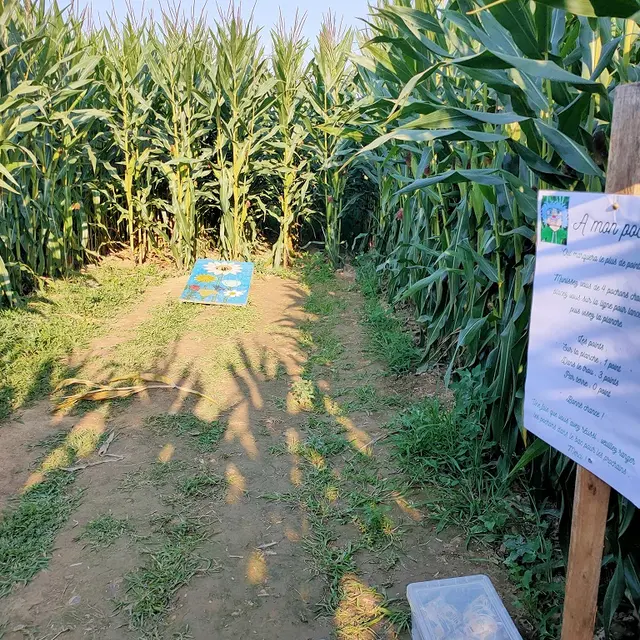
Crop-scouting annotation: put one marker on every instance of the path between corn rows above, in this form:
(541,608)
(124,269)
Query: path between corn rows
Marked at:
(247,592)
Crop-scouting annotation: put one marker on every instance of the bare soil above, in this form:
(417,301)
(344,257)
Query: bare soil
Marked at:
(243,591)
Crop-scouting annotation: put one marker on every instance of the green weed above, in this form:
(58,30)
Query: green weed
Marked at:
(204,434)
(535,563)
(324,303)
(332,563)
(305,394)
(104,531)
(168,322)
(51,441)
(151,588)
(375,524)
(321,342)
(316,270)
(326,437)
(368,399)
(35,338)
(202,485)
(388,339)
(154,475)
(28,530)
(449,451)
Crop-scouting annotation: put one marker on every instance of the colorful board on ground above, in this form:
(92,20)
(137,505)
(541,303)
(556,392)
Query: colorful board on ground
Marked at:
(582,393)
(219,282)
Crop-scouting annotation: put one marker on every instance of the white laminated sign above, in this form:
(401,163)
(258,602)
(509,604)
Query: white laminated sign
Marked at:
(582,392)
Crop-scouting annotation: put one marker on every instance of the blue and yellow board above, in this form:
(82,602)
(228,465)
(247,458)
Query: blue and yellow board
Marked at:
(219,282)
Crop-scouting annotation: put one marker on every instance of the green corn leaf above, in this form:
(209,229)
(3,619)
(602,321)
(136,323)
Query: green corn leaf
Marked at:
(471,330)
(545,69)
(417,135)
(613,595)
(574,154)
(480,176)
(422,284)
(537,448)
(632,581)
(516,18)
(595,8)
(5,283)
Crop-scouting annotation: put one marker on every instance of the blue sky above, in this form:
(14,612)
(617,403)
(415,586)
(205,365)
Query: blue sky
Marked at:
(265,11)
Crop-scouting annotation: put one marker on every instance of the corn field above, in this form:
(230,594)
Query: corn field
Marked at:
(168,136)
(466,112)
(177,137)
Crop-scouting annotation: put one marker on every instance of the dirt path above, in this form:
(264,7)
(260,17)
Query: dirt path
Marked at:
(274,511)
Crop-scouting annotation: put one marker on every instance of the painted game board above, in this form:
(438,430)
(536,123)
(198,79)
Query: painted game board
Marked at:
(218,282)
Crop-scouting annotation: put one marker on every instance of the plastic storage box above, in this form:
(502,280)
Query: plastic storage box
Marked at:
(466,608)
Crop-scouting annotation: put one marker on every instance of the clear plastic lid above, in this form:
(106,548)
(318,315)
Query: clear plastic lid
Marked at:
(467,608)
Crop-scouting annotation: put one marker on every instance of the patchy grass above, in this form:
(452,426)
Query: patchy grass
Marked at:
(226,321)
(324,302)
(35,338)
(264,267)
(335,486)
(202,485)
(368,399)
(448,451)
(205,435)
(330,562)
(154,475)
(387,337)
(150,589)
(167,324)
(172,320)
(103,531)
(28,530)
(315,447)
(323,345)
(51,441)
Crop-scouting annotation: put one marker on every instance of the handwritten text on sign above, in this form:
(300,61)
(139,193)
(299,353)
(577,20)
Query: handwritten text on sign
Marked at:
(582,391)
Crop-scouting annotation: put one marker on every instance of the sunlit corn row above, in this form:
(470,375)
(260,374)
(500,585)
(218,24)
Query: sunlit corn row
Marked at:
(168,135)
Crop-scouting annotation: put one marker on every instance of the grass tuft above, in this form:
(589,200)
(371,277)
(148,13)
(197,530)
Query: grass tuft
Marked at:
(167,324)
(27,531)
(151,589)
(204,434)
(202,485)
(103,531)
(155,475)
(388,339)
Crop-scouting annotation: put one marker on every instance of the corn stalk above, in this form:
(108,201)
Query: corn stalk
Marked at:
(130,93)
(243,99)
(182,67)
(330,93)
(292,161)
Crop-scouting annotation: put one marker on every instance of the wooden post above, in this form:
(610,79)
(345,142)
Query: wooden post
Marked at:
(590,508)
(591,501)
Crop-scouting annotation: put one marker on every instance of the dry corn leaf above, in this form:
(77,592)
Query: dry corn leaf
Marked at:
(108,391)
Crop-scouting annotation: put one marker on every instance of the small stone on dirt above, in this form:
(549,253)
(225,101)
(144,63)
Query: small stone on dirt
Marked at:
(75,600)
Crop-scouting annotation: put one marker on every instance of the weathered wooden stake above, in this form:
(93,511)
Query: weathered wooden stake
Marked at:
(591,501)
